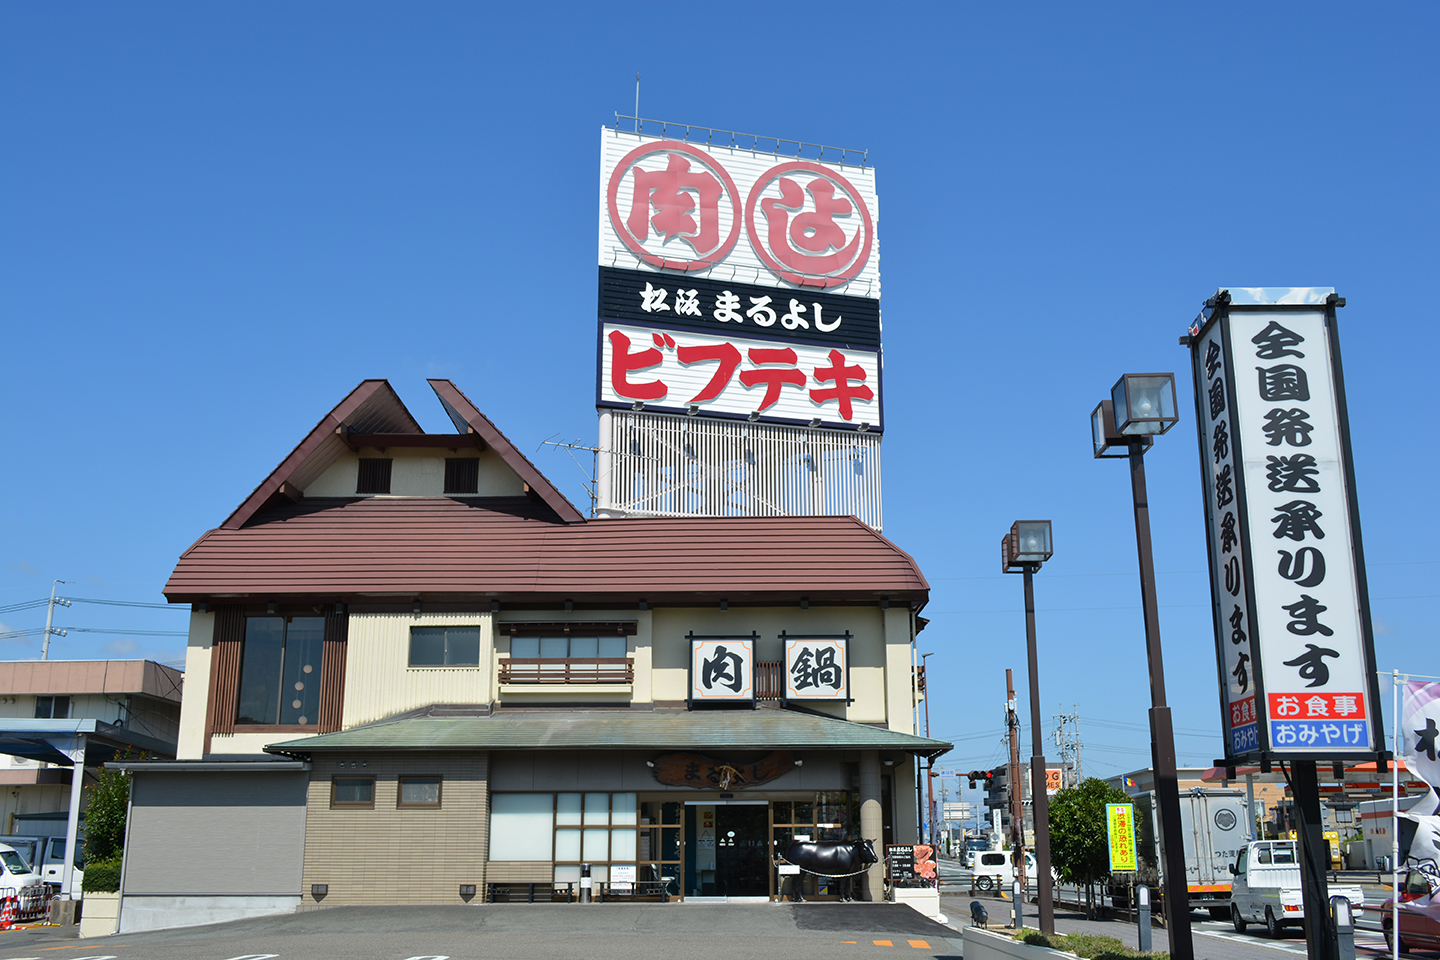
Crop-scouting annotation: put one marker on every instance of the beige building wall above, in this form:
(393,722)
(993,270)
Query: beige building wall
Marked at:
(398,855)
(379,681)
(191,744)
(418,473)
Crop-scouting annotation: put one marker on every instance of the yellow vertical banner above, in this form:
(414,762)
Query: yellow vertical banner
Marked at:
(1120,829)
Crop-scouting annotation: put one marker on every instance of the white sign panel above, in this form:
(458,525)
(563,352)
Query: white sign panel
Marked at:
(722,670)
(712,210)
(817,668)
(622,873)
(1274,387)
(1218,469)
(672,370)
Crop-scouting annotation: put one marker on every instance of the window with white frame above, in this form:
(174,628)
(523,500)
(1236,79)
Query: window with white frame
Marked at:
(568,829)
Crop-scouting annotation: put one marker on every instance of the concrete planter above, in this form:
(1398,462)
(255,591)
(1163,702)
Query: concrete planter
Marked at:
(981,944)
(924,899)
(101,912)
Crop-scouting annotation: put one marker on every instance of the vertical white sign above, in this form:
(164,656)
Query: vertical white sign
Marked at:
(1223,527)
(1311,642)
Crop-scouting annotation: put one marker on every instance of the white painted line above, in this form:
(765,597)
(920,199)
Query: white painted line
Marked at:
(257,956)
(435,957)
(1297,947)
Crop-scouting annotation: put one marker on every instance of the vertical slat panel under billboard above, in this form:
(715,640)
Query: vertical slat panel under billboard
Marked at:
(691,466)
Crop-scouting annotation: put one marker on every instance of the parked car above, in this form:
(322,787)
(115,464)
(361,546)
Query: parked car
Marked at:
(15,873)
(1419,914)
(1266,887)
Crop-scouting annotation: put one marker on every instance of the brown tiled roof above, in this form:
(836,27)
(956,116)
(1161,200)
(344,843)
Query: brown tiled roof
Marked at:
(509,549)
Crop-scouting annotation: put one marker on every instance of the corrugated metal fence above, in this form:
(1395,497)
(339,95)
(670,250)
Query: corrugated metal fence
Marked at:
(659,465)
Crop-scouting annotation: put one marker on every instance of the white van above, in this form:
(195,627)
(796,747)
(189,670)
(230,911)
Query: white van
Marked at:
(992,869)
(1266,888)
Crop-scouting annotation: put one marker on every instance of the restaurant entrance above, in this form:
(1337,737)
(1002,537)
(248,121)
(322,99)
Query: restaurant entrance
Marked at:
(727,850)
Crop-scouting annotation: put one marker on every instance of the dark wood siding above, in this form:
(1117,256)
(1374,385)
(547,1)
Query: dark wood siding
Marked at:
(332,671)
(228,646)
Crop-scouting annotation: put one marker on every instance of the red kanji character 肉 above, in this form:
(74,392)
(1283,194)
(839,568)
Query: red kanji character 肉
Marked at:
(729,359)
(668,191)
(623,362)
(772,378)
(843,391)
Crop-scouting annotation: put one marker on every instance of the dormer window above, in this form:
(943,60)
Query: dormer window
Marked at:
(462,475)
(374,475)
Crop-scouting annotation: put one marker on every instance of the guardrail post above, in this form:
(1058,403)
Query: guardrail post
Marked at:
(1017,895)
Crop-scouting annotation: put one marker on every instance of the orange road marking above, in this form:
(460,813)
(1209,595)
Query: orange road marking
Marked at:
(850,941)
(882,943)
(918,944)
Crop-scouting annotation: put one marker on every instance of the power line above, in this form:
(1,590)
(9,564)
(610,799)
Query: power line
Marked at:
(136,603)
(24,605)
(132,633)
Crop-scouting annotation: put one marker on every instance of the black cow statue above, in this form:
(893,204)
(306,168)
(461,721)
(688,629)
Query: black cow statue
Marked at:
(833,859)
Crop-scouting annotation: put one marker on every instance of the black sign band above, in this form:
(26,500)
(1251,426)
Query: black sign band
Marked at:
(721,308)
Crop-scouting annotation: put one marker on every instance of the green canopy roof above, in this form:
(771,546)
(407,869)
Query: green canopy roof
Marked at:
(617,730)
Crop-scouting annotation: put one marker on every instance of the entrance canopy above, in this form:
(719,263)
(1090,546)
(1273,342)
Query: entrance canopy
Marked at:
(611,730)
(57,741)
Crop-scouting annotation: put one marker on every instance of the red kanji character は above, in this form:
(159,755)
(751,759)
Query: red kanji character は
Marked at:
(843,390)
(669,192)
(623,362)
(772,378)
(729,359)
(802,244)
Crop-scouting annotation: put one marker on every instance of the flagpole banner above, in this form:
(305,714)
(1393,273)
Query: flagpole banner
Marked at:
(1296,653)
(1419,727)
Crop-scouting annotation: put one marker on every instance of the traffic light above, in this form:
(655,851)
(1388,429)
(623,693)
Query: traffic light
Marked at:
(983,775)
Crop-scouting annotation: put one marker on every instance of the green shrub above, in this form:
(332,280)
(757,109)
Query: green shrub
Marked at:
(102,876)
(1088,946)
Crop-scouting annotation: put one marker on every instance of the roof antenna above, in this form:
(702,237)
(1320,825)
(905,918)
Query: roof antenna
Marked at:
(637,103)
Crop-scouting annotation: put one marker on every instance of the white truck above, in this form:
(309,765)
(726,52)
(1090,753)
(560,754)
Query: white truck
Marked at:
(1266,887)
(1212,827)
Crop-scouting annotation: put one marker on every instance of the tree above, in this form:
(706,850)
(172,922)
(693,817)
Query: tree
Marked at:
(1079,847)
(105,812)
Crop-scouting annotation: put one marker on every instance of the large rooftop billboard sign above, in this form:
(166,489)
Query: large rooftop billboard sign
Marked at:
(741,215)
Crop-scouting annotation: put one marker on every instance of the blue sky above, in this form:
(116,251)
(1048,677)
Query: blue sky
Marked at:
(219,217)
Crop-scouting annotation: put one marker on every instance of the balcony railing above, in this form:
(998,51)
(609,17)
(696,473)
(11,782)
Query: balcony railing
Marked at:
(770,680)
(566,670)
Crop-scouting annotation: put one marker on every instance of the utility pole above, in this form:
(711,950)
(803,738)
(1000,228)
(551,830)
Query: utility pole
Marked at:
(930,764)
(1070,746)
(50,619)
(1017,787)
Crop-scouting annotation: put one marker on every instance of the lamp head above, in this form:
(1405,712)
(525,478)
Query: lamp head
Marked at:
(1144,403)
(1027,544)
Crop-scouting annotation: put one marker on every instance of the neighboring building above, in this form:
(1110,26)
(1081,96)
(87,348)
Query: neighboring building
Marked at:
(416,639)
(997,795)
(137,699)
(54,713)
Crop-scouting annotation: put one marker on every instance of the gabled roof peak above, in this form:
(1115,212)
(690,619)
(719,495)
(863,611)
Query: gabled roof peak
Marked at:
(374,409)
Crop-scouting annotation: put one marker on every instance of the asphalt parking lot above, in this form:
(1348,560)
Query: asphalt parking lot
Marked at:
(541,931)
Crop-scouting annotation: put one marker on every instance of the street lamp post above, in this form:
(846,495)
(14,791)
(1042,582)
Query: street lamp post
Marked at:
(1024,549)
(1142,405)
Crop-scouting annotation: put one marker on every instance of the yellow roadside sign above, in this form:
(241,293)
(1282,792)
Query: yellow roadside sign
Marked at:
(1120,829)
